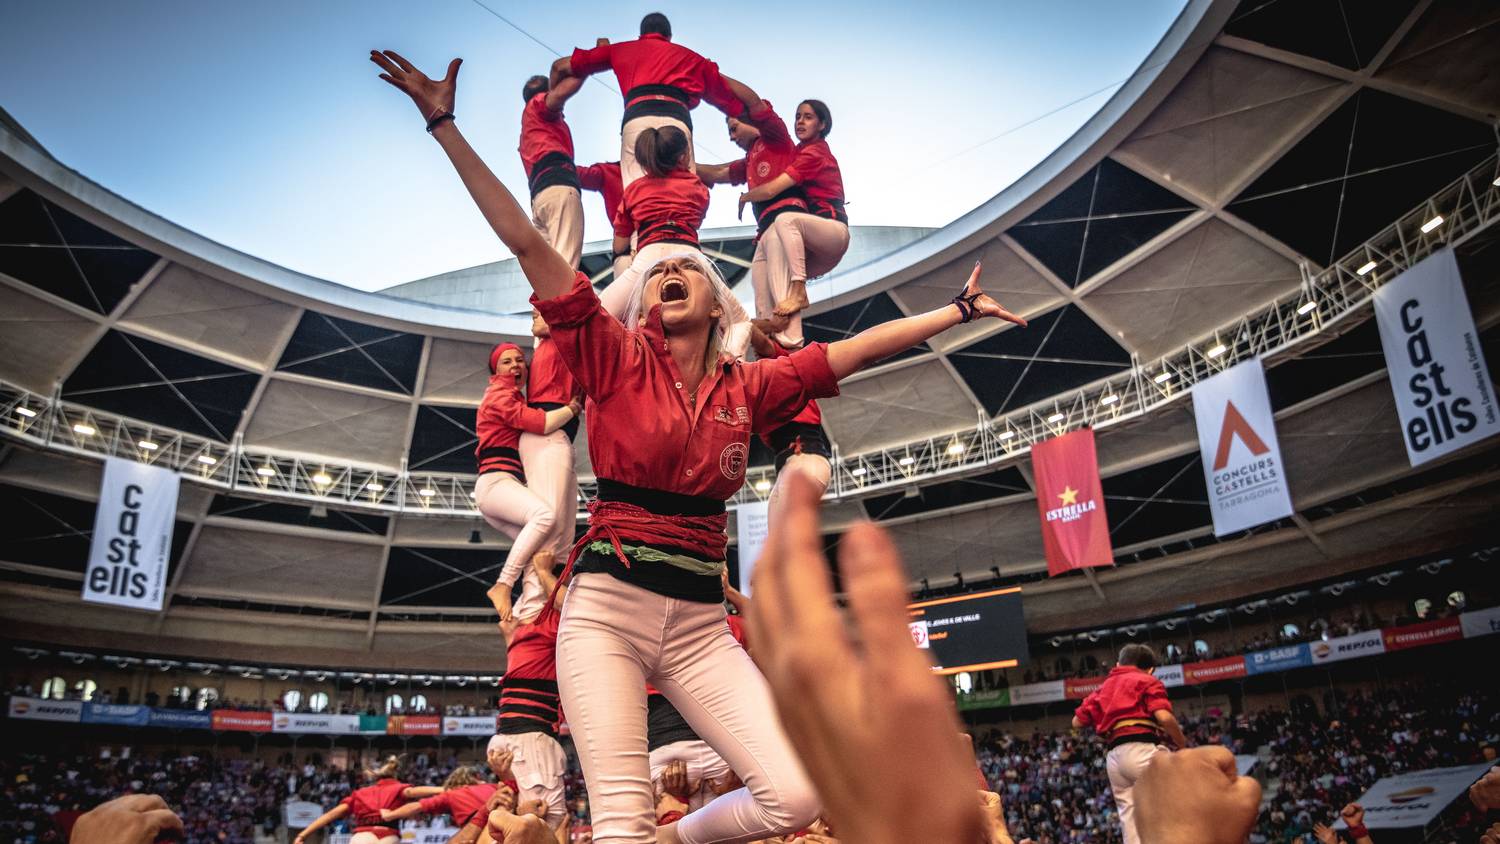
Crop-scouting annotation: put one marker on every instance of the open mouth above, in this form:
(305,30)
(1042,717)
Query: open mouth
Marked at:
(673,290)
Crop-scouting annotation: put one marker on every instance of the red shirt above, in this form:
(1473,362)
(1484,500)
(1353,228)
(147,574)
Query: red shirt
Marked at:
(365,803)
(502,416)
(653,60)
(666,208)
(817,171)
(549,381)
(459,803)
(770,156)
(1127,693)
(543,131)
(642,431)
(811,414)
(605,178)
(736,628)
(528,693)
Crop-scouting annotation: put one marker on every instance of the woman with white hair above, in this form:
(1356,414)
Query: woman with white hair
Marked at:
(669,429)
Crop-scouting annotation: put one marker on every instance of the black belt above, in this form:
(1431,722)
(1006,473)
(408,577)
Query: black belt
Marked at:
(767,211)
(658,501)
(552,169)
(1148,738)
(665,231)
(833,209)
(659,101)
(570,428)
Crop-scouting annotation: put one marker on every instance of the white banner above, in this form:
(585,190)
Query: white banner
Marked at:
(751,523)
(1244,763)
(1481,622)
(305,722)
(1414,800)
(36,709)
(1241,458)
(132,535)
(1432,354)
(1037,693)
(1339,648)
(1170,675)
(300,813)
(469,725)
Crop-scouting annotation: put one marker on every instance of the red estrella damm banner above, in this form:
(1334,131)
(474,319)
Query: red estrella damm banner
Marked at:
(1227,668)
(413,725)
(1075,531)
(248,722)
(1423,633)
(1082,687)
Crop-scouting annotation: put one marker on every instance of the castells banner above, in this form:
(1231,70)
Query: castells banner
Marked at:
(132,536)
(1443,390)
(1242,465)
(1075,531)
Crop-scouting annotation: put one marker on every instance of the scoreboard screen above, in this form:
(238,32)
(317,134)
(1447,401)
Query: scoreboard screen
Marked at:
(971,632)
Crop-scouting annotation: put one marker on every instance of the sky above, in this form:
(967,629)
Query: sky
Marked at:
(264,126)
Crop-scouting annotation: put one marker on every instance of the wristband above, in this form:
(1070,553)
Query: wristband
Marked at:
(437,118)
(669,817)
(1360,831)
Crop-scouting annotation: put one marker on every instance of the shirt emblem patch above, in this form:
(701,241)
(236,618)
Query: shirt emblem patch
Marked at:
(732,460)
(763,169)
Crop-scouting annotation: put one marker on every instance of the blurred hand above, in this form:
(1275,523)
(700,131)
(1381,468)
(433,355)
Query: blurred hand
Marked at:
(503,798)
(1485,794)
(674,780)
(535,806)
(1325,835)
(499,761)
(132,819)
(1491,835)
(518,829)
(1195,797)
(848,710)
(1353,814)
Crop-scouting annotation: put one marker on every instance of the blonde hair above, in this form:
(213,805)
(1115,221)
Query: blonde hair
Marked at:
(389,768)
(461,776)
(729,307)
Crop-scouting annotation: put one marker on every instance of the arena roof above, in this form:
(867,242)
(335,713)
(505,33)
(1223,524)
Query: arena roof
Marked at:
(1261,152)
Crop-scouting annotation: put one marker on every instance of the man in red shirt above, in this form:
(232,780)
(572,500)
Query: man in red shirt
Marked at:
(547,154)
(662,83)
(1130,709)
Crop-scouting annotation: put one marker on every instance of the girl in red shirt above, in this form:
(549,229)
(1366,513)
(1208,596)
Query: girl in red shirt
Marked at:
(365,805)
(501,493)
(663,211)
(801,245)
(669,431)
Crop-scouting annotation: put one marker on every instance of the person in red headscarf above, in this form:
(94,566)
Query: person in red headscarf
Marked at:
(501,493)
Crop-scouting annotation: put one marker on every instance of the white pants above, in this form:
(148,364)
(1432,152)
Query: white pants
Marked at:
(538,763)
(630,169)
(814,467)
(557,212)
(613,639)
(519,513)
(704,767)
(548,461)
(617,297)
(795,247)
(1125,765)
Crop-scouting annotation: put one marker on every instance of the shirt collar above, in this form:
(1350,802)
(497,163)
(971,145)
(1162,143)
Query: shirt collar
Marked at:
(653,36)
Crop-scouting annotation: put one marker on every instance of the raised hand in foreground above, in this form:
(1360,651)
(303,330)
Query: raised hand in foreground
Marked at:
(132,819)
(1195,796)
(849,710)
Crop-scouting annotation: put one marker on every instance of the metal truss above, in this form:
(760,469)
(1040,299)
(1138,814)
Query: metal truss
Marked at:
(1327,299)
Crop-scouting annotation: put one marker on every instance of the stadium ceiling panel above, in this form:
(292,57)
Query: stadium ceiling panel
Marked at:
(1259,142)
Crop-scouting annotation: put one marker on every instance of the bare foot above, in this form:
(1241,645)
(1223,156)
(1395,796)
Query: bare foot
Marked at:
(795,302)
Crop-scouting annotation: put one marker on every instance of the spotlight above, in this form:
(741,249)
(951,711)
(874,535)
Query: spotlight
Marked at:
(1005,435)
(375,486)
(427,492)
(322,479)
(1162,377)
(1365,268)
(1218,349)
(955,448)
(1056,417)
(1109,399)
(763,485)
(857,471)
(266,471)
(85,430)
(474,538)
(207,460)
(1432,224)
(906,461)
(147,445)
(26,412)
(1307,307)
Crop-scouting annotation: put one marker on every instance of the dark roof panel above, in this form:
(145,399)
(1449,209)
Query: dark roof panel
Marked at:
(443,440)
(49,248)
(1058,351)
(353,353)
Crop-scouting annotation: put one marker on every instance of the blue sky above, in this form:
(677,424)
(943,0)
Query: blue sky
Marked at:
(264,126)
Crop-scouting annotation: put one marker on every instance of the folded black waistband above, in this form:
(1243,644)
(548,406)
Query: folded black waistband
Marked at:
(660,502)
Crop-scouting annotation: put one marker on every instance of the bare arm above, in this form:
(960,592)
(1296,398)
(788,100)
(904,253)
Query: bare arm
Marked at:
(846,357)
(559,93)
(410,810)
(620,245)
(743,92)
(417,792)
(561,69)
(713,174)
(549,274)
(769,189)
(1077,724)
(1168,722)
(325,819)
(558,417)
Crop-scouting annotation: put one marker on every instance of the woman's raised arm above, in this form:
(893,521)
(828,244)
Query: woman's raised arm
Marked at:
(548,272)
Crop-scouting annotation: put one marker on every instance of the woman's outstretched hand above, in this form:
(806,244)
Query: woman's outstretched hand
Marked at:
(986,305)
(433,97)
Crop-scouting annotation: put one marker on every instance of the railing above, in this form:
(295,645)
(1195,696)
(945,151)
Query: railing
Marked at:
(1324,301)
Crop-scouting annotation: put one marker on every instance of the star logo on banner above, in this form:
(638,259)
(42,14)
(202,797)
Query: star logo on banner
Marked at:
(1069,495)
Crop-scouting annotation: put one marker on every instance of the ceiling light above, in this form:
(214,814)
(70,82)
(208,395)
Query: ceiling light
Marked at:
(906,461)
(955,448)
(1496,183)
(1218,349)
(1162,377)
(473,495)
(857,471)
(1109,399)
(1365,268)
(147,445)
(427,492)
(763,485)
(1056,417)
(1432,224)
(1005,435)
(86,430)
(266,472)
(1307,307)
(374,486)
(322,479)
(26,412)
(206,460)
